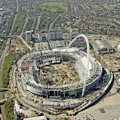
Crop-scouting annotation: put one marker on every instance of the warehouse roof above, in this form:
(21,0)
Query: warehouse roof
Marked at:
(57,44)
(101,44)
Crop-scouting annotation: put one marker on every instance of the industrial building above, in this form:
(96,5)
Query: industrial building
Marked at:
(54,35)
(102,47)
(43,38)
(41,46)
(57,44)
(80,43)
(53,40)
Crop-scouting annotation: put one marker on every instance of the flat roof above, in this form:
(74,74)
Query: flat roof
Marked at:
(101,44)
(57,44)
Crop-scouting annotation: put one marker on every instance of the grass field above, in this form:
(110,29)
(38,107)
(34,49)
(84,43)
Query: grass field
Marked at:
(19,22)
(54,6)
(9,108)
(105,5)
(9,105)
(7,64)
(10,22)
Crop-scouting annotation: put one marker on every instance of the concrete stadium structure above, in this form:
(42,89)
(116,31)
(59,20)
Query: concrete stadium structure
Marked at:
(32,82)
(62,80)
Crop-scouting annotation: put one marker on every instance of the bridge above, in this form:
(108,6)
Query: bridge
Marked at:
(2,101)
(3,89)
(10,36)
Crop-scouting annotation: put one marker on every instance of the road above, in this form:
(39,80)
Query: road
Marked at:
(51,27)
(24,42)
(73,7)
(17,9)
(19,92)
(3,46)
(2,62)
(38,23)
(52,24)
(1,68)
(24,26)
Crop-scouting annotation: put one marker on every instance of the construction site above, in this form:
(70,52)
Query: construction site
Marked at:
(61,80)
(58,71)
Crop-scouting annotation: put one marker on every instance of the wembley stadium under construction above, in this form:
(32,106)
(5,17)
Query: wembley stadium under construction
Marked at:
(62,79)
(44,79)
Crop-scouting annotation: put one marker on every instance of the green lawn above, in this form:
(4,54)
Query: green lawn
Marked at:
(9,108)
(105,5)
(54,6)
(10,22)
(7,64)
(9,105)
(20,20)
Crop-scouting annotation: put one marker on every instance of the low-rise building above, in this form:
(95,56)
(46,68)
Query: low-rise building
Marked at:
(102,47)
(57,44)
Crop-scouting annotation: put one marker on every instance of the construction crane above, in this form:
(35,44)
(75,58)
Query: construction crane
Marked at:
(41,56)
(70,61)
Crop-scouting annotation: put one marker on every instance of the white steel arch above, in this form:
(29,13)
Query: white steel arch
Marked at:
(88,57)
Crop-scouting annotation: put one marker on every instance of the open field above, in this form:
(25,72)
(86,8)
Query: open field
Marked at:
(10,21)
(7,64)
(9,108)
(19,22)
(54,6)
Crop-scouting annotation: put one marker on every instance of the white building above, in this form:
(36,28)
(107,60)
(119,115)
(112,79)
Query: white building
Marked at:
(28,36)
